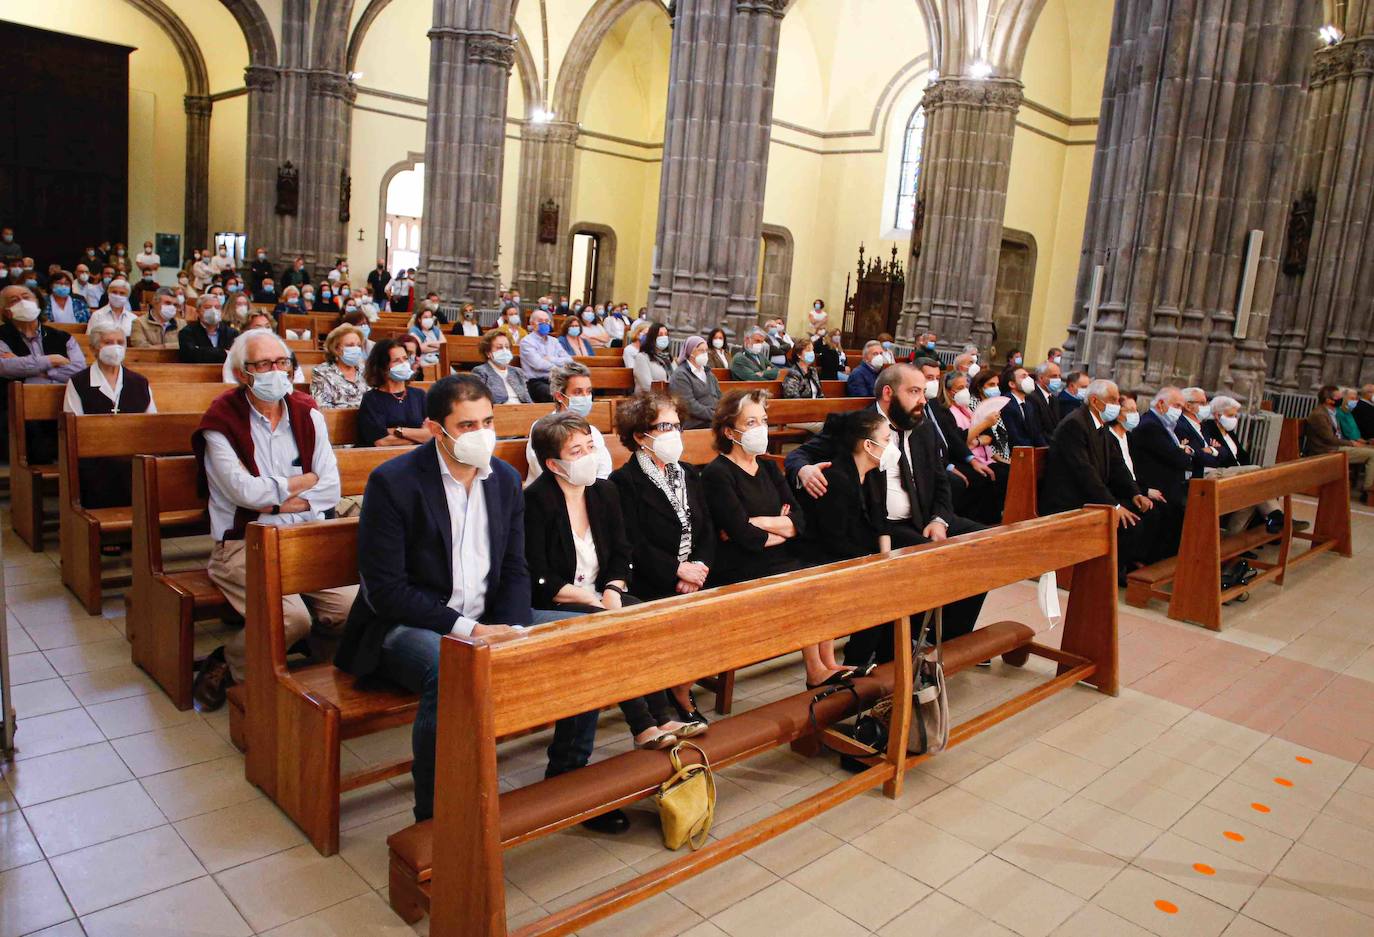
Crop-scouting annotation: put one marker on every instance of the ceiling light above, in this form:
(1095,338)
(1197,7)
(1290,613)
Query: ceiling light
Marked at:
(1330,34)
(355,77)
(933,75)
(980,70)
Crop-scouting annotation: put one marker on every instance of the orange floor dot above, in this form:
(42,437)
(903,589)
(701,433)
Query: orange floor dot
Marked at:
(1168,907)
(1234,837)
(1283,782)
(1262,808)
(1202,868)
(1302,760)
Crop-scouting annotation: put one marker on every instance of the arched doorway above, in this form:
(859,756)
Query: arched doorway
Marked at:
(403,201)
(592,267)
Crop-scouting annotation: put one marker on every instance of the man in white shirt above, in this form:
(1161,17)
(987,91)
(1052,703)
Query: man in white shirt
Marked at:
(220,263)
(148,262)
(88,287)
(441,550)
(571,385)
(264,456)
(117,312)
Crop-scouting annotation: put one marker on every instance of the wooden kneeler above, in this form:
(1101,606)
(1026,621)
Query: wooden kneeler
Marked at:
(489,691)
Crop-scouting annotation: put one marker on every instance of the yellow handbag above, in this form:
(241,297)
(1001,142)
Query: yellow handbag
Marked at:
(687,800)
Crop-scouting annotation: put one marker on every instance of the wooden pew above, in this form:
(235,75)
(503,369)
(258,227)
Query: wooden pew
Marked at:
(453,865)
(180,374)
(1191,581)
(134,357)
(82,531)
(1023,483)
(1290,440)
(517,418)
(599,361)
(613,382)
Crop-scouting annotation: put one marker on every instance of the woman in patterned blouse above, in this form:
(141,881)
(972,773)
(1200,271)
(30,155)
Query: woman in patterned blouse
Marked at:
(338,383)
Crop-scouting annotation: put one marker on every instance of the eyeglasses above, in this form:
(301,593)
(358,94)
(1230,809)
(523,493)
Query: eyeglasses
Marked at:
(267,364)
(665,427)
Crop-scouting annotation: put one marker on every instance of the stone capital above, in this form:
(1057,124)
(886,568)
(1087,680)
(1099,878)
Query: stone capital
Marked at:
(330,84)
(555,131)
(198,105)
(260,77)
(991,93)
(492,50)
(774,8)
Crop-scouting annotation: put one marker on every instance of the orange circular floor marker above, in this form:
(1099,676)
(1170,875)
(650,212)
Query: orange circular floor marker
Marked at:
(1168,907)
(1202,868)
(1262,808)
(1234,837)
(1302,759)
(1283,782)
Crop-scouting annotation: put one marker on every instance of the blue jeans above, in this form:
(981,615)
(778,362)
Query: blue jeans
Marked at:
(410,657)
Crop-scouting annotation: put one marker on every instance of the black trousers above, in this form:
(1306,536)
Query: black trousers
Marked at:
(959,617)
(539,389)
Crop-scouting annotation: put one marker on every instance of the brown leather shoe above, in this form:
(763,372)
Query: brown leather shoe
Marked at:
(212,683)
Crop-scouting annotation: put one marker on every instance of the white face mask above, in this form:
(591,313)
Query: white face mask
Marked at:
(169,312)
(932,389)
(473,448)
(758,348)
(426,323)
(26,310)
(973,370)
(877,362)
(210,316)
(962,397)
(272,386)
(754,440)
(1228,423)
(700,360)
(580,472)
(1027,385)
(117,301)
(668,447)
(891,458)
(112,356)
(717,343)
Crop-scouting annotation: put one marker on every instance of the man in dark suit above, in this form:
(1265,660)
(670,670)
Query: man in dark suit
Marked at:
(970,478)
(207,341)
(1074,393)
(1045,397)
(1189,430)
(1364,412)
(1020,416)
(919,507)
(1161,460)
(1085,466)
(441,550)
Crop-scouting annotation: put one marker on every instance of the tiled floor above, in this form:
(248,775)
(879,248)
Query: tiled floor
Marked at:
(1229,790)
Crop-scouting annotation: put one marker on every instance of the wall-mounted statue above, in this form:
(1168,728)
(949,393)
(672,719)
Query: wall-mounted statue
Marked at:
(1299,239)
(548,222)
(345,194)
(288,189)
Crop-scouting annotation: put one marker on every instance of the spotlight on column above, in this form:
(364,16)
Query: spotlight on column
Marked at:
(541,116)
(355,77)
(933,75)
(980,70)
(1330,34)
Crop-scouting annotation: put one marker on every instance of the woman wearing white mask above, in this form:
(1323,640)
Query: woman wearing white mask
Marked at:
(339,383)
(161,327)
(717,349)
(579,556)
(654,363)
(665,511)
(117,310)
(505,381)
(849,520)
(694,384)
(571,387)
(593,329)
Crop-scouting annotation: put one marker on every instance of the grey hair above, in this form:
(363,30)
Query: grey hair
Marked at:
(755,330)
(871,343)
(238,354)
(206,298)
(1163,394)
(1224,404)
(1099,388)
(166,291)
(1043,368)
(120,282)
(1194,390)
(970,349)
(561,375)
(98,329)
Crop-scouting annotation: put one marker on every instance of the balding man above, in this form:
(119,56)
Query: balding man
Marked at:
(207,340)
(1161,459)
(540,353)
(264,456)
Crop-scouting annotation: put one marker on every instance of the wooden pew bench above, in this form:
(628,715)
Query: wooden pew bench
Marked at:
(1191,581)
(82,531)
(452,865)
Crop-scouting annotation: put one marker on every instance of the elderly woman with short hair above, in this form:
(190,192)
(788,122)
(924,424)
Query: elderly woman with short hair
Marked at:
(505,381)
(694,384)
(571,387)
(339,383)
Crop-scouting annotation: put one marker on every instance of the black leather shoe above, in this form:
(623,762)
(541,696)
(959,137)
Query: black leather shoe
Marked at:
(1274,522)
(610,823)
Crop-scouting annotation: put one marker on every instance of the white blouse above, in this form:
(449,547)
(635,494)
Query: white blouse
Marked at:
(588,567)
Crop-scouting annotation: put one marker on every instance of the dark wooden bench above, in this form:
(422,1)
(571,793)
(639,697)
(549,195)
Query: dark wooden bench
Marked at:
(515,419)
(83,530)
(452,865)
(1191,581)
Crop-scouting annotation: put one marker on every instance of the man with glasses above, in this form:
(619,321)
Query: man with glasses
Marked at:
(264,456)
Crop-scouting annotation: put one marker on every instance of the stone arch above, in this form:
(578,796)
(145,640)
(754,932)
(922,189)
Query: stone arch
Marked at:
(775,272)
(197,77)
(410,162)
(257,31)
(572,74)
(325,51)
(606,253)
(1010,34)
(524,57)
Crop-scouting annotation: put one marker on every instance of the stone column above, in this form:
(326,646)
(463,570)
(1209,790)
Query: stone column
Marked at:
(261,185)
(196,217)
(1323,319)
(471,52)
(324,178)
(547,152)
(715,163)
(1200,110)
(965,164)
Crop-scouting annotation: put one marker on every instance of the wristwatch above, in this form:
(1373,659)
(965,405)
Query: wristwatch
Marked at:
(276,509)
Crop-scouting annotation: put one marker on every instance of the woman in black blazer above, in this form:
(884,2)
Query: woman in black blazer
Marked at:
(579,556)
(848,520)
(664,509)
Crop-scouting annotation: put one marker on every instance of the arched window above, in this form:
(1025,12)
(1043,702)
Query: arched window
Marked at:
(909,175)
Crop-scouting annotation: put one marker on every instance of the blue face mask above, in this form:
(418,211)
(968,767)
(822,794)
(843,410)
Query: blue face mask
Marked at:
(1056,385)
(1081,393)
(809,357)
(327,294)
(773,332)
(502,357)
(63,291)
(1132,420)
(268,288)
(992,391)
(930,346)
(233,287)
(1110,412)
(31,283)
(662,343)
(1171,416)
(364,328)
(1352,404)
(545,328)
(353,356)
(293,300)
(574,331)
(580,405)
(400,371)
(887,346)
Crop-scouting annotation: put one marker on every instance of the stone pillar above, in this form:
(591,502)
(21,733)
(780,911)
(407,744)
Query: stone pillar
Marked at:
(325,181)
(471,52)
(196,218)
(547,153)
(261,185)
(1200,110)
(965,164)
(1323,318)
(715,163)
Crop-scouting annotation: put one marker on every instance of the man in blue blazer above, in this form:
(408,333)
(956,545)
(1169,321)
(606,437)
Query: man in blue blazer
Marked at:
(441,550)
(1019,416)
(1075,392)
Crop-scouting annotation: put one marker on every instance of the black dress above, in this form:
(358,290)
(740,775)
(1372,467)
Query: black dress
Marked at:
(734,496)
(847,520)
(379,411)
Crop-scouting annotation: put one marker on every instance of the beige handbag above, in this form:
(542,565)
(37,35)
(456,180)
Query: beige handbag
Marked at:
(687,800)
